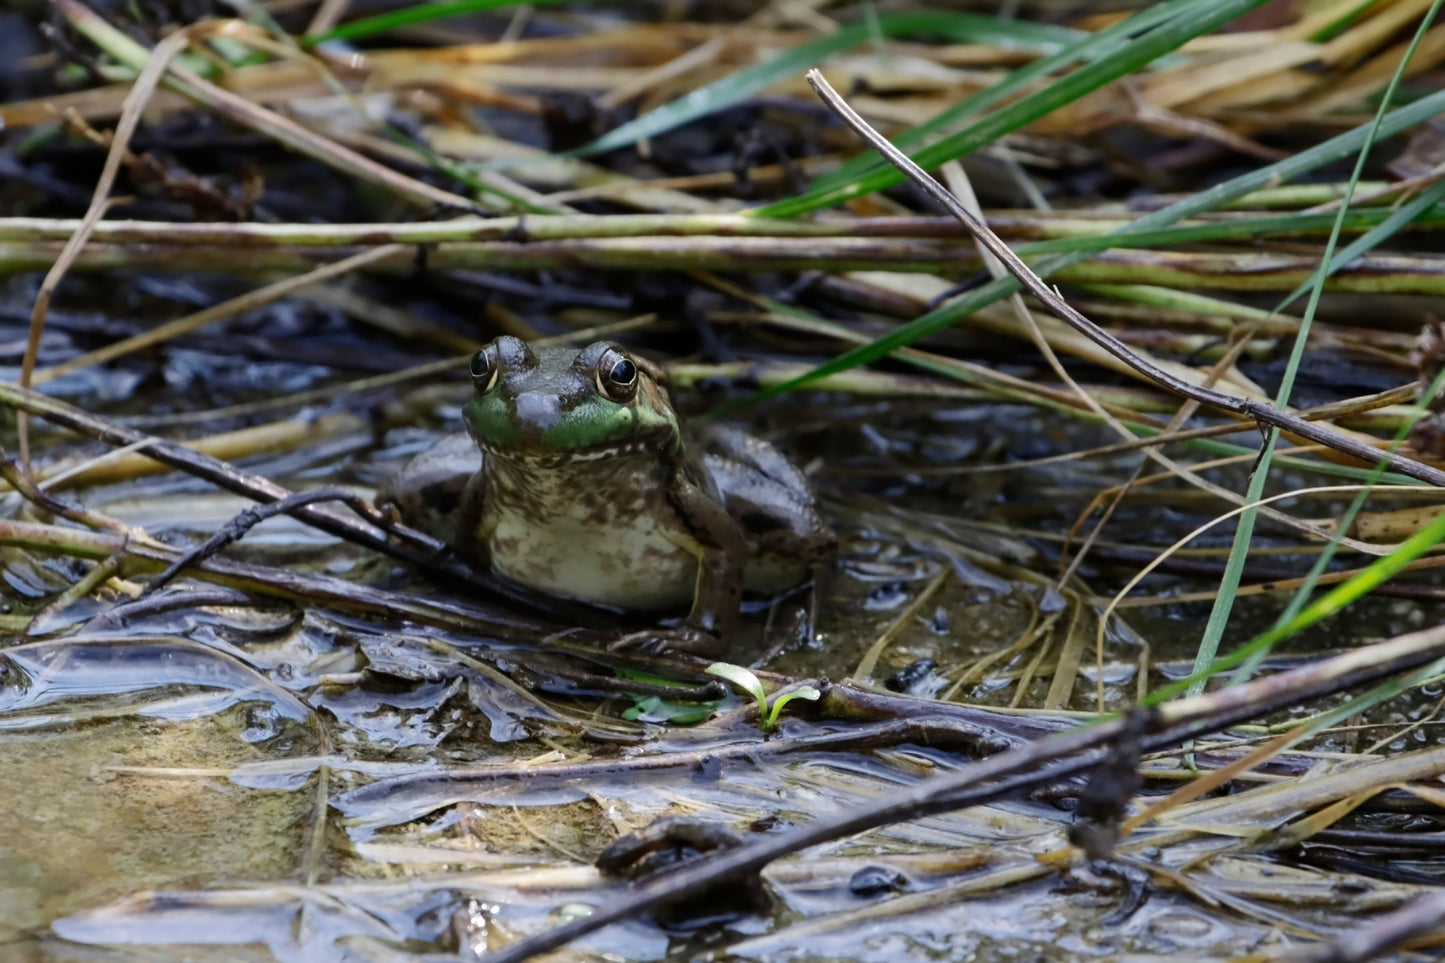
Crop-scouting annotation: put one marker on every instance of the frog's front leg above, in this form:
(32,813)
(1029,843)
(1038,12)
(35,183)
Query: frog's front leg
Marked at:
(717,541)
(428,490)
(722,554)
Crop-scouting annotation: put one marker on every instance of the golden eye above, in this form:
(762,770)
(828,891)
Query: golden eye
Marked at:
(617,376)
(484,369)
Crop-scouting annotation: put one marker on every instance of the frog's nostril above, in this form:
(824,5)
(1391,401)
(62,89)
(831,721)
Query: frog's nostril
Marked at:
(538,411)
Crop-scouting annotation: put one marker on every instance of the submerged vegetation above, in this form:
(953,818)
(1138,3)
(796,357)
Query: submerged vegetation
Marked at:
(1127,425)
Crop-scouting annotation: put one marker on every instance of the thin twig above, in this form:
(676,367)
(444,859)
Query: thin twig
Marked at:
(1259,411)
(217,312)
(100,202)
(282,129)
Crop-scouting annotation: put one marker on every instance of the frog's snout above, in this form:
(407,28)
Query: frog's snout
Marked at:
(538,410)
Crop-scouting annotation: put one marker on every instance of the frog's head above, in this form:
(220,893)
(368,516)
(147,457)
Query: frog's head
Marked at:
(562,402)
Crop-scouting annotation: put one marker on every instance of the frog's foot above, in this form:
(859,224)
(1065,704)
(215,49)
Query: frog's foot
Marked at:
(691,639)
(390,513)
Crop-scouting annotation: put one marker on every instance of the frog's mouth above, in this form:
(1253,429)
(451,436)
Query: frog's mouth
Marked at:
(545,455)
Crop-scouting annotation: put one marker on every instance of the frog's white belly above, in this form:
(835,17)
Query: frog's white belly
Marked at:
(629,566)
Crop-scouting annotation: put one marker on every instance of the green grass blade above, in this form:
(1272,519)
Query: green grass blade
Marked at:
(1210,643)
(1199,17)
(1396,221)
(1370,698)
(1206,200)
(1425,214)
(1343,22)
(417,13)
(1234,567)
(1233,574)
(1089,47)
(1379,572)
(1211,446)
(748,81)
(1327,555)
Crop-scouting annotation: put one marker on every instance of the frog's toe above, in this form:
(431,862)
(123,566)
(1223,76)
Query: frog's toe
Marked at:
(689,639)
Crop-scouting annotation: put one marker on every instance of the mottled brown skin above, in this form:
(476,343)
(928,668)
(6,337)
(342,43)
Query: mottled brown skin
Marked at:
(583,488)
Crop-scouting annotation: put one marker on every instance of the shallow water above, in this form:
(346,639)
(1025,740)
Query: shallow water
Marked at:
(275,781)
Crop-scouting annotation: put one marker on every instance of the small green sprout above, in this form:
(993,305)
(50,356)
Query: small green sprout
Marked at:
(743,679)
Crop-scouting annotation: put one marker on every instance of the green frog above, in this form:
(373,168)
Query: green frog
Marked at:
(579,481)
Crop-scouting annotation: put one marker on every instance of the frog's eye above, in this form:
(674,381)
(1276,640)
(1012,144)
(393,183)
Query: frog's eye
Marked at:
(484,369)
(617,376)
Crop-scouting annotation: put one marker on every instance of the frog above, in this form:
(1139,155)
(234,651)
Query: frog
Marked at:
(577,479)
